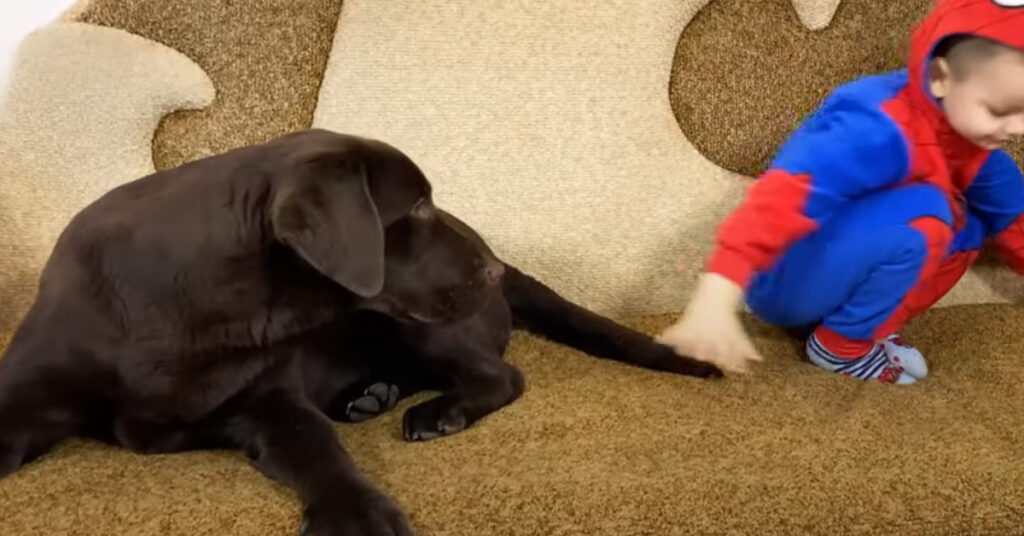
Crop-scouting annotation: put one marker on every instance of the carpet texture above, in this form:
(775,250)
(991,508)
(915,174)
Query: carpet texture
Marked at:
(266,58)
(77,120)
(596,448)
(739,104)
(526,101)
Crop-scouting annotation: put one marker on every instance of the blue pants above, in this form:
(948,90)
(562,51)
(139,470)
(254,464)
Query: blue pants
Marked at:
(870,267)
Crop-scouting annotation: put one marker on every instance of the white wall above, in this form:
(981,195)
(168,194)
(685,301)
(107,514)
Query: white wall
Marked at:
(18,18)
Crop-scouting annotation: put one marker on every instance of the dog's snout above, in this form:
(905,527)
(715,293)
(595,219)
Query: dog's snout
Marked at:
(494,270)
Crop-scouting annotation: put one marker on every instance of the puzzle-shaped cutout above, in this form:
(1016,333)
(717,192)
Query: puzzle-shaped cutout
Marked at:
(64,143)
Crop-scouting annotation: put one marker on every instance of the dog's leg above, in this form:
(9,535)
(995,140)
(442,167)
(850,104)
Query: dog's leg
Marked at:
(481,383)
(40,406)
(158,436)
(30,427)
(380,392)
(543,312)
(292,442)
(365,372)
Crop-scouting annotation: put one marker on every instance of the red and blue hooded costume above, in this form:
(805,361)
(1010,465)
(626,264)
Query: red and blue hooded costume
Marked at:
(875,206)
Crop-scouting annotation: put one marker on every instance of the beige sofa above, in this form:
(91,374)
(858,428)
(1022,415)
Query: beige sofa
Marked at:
(593,144)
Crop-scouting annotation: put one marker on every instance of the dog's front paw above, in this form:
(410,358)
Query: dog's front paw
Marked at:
(432,419)
(366,512)
(377,399)
(688,366)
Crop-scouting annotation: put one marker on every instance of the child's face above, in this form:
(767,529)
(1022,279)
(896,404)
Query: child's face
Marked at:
(985,104)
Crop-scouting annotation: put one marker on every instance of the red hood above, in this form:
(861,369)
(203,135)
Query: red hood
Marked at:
(1000,20)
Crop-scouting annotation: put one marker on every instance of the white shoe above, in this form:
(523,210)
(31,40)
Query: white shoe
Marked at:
(903,355)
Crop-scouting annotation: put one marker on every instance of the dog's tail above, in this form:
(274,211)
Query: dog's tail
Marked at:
(540,310)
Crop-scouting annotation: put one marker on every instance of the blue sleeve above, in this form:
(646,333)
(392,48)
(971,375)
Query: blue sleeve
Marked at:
(847,149)
(997,194)
(996,197)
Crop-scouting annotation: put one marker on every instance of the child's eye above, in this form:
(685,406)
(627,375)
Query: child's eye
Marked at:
(998,112)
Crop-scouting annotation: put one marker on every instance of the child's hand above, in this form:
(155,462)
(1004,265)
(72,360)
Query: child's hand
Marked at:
(710,329)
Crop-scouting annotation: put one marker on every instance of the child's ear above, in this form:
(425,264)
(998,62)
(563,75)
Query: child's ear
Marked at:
(939,76)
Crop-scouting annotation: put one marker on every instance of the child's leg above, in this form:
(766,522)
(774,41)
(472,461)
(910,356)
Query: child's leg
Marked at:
(964,250)
(962,253)
(853,277)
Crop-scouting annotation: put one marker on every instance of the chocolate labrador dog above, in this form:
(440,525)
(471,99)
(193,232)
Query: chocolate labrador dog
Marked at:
(242,300)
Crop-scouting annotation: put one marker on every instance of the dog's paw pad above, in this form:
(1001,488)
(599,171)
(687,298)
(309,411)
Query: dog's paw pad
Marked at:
(386,393)
(363,408)
(377,399)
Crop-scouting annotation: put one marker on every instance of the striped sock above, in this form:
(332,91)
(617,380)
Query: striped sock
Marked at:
(873,365)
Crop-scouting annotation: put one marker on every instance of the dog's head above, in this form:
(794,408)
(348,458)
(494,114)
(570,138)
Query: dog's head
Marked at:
(361,213)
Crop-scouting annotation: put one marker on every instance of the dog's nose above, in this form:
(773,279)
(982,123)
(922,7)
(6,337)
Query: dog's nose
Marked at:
(494,270)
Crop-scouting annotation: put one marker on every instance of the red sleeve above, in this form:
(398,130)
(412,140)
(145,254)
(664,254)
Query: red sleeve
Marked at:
(770,218)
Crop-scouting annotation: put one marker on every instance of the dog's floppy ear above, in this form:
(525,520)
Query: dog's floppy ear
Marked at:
(325,213)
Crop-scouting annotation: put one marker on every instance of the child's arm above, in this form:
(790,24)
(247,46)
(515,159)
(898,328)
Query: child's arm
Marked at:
(847,149)
(997,198)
